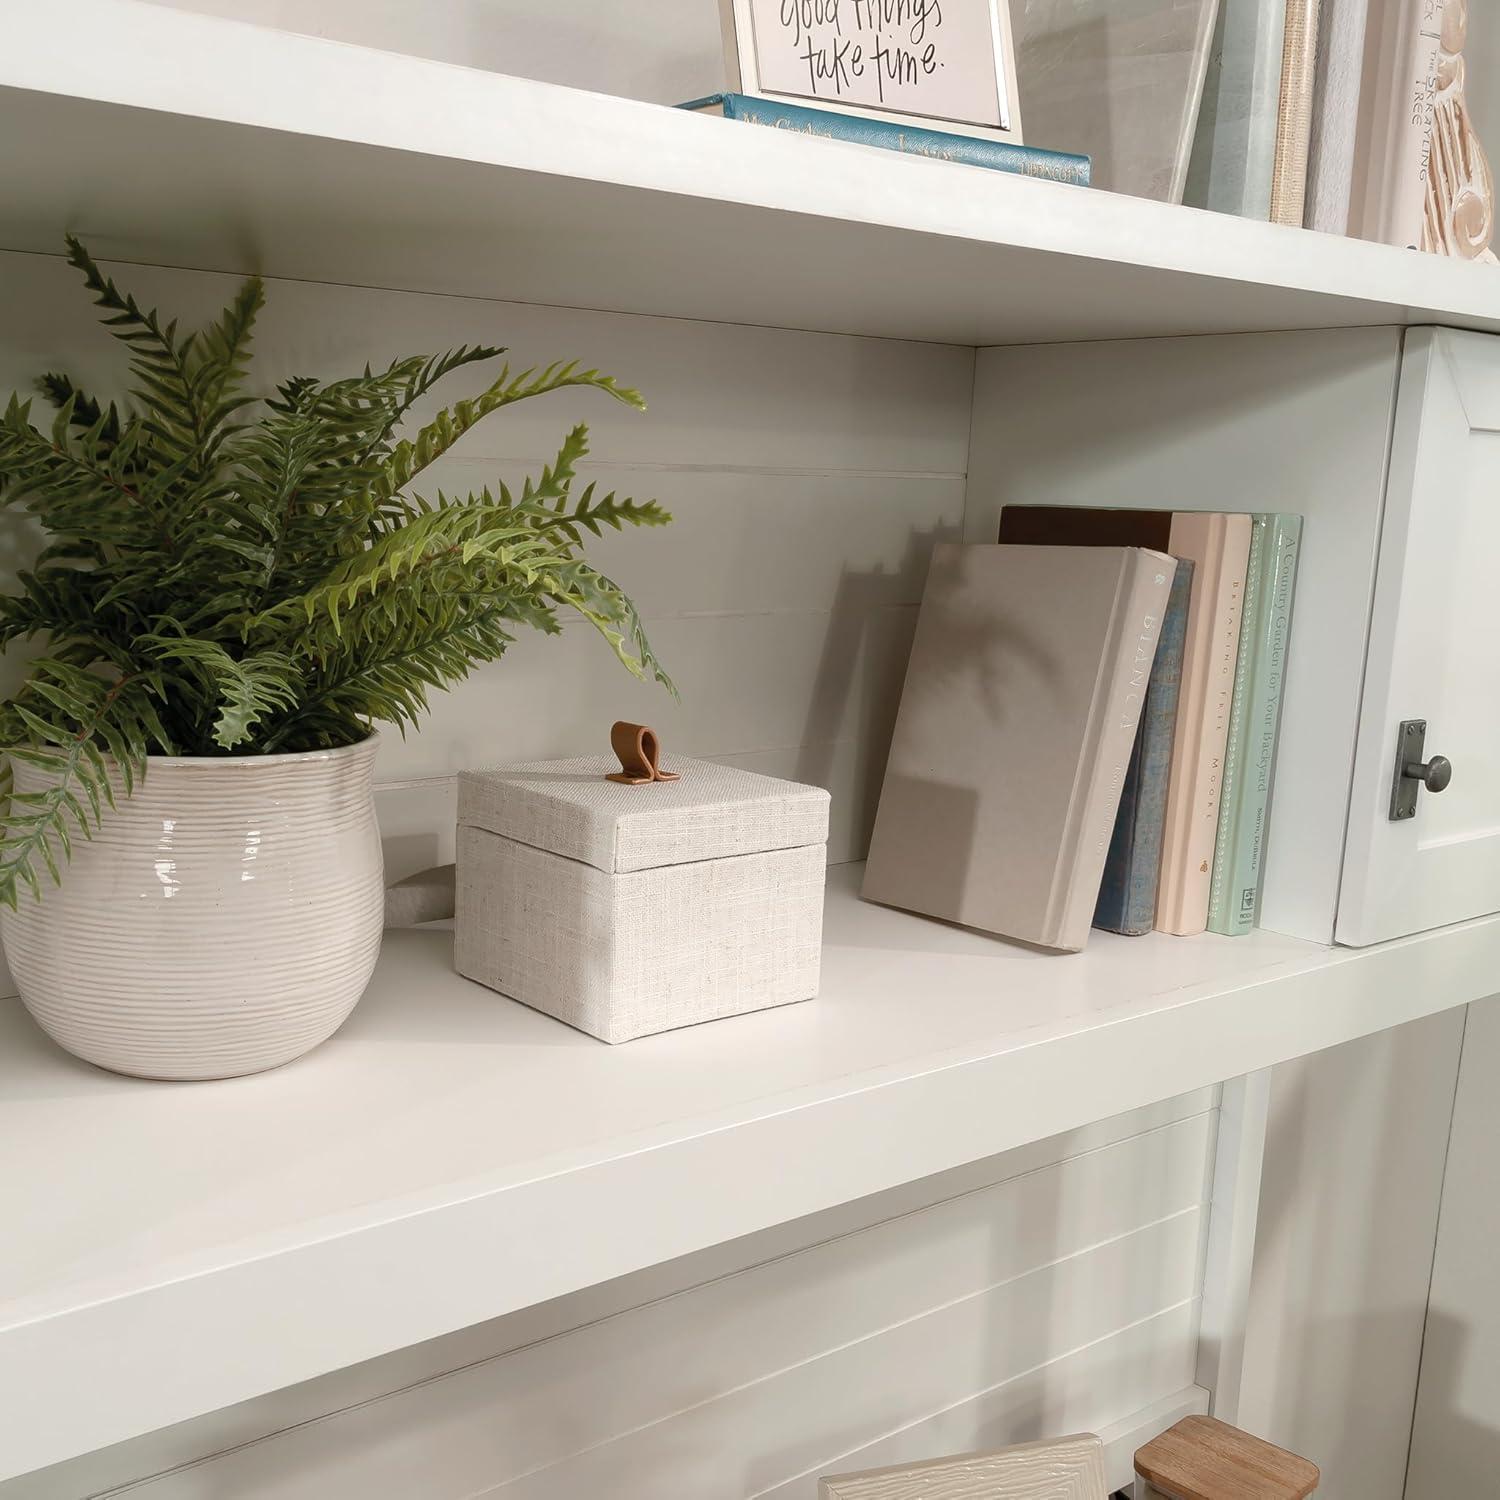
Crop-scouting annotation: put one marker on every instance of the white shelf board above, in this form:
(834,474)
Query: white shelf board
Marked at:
(451,1156)
(188,140)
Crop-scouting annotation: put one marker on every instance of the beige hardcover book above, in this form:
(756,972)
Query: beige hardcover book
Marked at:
(1022,695)
(1299,50)
(1219,547)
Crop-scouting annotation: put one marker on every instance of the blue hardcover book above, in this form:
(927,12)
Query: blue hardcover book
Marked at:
(1127,894)
(916,140)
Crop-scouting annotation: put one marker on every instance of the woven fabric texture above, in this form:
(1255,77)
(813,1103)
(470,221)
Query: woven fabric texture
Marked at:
(710,812)
(621,956)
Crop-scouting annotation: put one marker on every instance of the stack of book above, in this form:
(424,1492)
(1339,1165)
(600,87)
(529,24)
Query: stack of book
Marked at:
(1254,129)
(1349,117)
(1088,728)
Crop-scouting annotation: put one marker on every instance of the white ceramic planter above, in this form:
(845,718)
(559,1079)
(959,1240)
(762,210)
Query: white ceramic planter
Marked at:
(224,919)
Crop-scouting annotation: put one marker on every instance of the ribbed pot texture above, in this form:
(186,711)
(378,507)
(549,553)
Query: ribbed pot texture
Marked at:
(223,920)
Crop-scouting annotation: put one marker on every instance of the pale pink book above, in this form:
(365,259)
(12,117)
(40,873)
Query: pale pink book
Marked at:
(1394,138)
(1219,547)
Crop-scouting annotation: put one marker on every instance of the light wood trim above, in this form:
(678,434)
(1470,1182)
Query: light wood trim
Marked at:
(1202,1458)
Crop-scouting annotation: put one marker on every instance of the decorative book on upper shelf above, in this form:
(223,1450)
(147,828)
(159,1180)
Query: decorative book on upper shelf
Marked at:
(1027,678)
(1402,41)
(997,153)
(1234,153)
(1122,84)
(1335,115)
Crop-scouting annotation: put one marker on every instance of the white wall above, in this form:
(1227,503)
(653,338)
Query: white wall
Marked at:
(1353,1176)
(666,51)
(1482,70)
(1052,1289)
(1455,1446)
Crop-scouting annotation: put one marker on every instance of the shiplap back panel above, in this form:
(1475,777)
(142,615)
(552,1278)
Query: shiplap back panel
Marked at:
(1052,1289)
(665,52)
(809,475)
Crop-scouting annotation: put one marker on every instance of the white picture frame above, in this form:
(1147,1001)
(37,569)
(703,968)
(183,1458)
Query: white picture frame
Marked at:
(904,77)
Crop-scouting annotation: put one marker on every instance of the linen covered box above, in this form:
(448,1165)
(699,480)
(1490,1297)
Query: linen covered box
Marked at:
(630,909)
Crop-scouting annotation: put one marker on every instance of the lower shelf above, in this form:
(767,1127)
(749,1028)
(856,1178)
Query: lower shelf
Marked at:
(451,1156)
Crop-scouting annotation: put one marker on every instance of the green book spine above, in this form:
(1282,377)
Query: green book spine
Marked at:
(1255,715)
(1234,746)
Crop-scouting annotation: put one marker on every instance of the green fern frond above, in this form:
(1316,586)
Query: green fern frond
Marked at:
(226,576)
(557,477)
(246,691)
(421,380)
(451,536)
(81,484)
(591,515)
(71,725)
(608,609)
(388,658)
(222,357)
(158,357)
(549,505)
(410,458)
(84,410)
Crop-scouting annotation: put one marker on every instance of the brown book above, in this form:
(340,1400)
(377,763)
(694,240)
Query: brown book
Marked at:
(1085,526)
(1026,681)
(1218,546)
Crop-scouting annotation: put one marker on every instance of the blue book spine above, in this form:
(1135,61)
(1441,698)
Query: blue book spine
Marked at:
(915,140)
(1127,894)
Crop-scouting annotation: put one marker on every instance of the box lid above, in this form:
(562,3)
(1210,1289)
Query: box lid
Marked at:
(709,812)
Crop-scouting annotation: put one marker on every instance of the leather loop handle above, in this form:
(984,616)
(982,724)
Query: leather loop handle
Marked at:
(640,755)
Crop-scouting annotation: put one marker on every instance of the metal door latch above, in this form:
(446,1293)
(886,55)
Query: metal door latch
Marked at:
(1412,773)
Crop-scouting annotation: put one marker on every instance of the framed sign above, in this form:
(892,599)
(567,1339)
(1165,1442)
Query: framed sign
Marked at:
(943,60)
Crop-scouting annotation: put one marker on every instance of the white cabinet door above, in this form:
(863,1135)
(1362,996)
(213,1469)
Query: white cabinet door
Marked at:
(1434,652)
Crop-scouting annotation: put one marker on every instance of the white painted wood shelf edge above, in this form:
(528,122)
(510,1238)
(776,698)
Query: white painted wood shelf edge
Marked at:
(227,146)
(451,1156)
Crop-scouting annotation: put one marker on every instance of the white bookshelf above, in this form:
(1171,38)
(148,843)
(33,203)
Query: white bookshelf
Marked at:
(224,146)
(452,1156)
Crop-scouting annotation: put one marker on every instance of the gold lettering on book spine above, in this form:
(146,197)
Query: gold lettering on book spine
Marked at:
(1459,213)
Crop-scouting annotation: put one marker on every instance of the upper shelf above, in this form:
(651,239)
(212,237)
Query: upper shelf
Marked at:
(451,1156)
(186,140)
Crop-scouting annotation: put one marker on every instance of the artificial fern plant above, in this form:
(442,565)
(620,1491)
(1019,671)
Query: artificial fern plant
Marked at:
(227,575)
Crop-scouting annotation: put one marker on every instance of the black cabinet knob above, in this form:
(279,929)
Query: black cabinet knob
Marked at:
(1434,774)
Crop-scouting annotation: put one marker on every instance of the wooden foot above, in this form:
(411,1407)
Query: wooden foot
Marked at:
(1204,1459)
